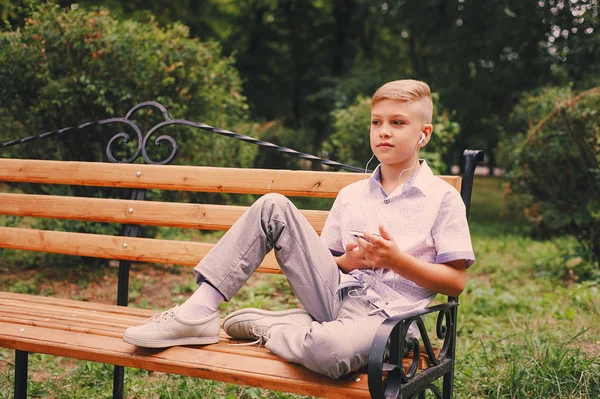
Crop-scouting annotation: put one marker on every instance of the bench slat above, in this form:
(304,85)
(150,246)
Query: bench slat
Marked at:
(183,178)
(172,214)
(115,247)
(54,313)
(75,304)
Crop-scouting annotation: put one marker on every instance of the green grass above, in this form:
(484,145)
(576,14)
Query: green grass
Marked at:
(523,331)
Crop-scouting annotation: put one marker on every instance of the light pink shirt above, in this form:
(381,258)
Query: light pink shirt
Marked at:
(426,217)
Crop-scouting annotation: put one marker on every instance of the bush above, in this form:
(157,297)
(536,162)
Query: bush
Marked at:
(553,169)
(349,142)
(66,67)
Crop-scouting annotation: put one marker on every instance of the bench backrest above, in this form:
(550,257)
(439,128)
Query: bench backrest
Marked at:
(131,212)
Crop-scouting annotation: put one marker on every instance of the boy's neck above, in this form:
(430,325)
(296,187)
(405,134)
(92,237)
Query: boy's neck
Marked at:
(391,179)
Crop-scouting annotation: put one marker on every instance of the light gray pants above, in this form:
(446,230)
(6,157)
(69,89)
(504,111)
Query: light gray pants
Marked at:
(338,342)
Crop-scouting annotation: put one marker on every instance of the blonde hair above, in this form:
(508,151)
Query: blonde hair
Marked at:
(406,91)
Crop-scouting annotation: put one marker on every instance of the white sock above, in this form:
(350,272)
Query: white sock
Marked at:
(201,304)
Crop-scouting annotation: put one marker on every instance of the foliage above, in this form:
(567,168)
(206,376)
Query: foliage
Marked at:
(63,68)
(302,59)
(349,142)
(553,170)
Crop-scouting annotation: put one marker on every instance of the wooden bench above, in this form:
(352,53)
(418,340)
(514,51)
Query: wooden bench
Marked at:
(91,331)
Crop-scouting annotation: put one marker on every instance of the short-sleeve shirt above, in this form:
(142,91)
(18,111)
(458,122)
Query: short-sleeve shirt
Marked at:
(426,217)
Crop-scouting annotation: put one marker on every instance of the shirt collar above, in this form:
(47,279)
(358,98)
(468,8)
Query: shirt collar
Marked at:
(420,180)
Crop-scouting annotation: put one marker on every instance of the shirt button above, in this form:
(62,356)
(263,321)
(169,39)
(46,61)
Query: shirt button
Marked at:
(387,200)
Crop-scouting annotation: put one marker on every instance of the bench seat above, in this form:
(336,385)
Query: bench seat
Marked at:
(93,331)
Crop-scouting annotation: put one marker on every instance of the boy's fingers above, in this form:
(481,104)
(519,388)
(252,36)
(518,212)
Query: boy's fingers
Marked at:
(371,238)
(384,233)
(350,246)
(362,243)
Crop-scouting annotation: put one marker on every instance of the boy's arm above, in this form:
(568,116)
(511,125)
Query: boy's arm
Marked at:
(446,278)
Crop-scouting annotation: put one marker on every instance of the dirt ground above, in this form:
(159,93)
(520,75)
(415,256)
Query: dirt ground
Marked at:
(157,284)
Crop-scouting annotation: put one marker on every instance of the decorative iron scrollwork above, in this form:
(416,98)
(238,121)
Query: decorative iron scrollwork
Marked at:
(392,343)
(142,140)
(124,138)
(443,330)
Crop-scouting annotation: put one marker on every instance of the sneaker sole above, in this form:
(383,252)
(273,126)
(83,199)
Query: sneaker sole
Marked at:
(167,343)
(262,312)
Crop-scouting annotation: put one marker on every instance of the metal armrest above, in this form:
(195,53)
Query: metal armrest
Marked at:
(387,377)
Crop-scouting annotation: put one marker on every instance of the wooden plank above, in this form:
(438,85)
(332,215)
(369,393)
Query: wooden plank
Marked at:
(75,305)
(172,214)
(67,315)
(192,361)
(145,250)
(182,178)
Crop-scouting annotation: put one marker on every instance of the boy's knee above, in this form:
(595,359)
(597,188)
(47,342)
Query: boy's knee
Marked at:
(273,199)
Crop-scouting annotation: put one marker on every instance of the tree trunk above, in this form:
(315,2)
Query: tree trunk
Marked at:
(491,161)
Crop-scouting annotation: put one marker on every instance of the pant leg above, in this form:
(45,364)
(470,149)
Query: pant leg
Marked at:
(274,222)
(332,348)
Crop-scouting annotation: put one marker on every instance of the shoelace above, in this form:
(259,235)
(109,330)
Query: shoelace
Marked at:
(257,331)
(161,315)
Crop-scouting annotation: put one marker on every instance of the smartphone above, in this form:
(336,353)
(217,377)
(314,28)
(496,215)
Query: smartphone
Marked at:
(357,234)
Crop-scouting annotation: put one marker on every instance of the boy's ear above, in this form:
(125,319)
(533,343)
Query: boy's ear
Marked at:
(426,132)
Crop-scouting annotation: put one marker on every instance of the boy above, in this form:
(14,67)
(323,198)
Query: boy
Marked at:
(415,243)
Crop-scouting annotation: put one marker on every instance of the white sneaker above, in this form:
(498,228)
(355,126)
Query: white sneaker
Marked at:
(255,324)
(167,329)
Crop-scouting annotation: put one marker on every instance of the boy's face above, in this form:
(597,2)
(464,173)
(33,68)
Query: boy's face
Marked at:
(396,129)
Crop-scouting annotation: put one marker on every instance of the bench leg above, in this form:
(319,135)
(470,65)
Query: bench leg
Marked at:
(122,300)
(448,384)
(118,382)
(123,296)
(21,359)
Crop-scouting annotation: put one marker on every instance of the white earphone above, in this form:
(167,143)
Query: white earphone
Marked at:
(422,138)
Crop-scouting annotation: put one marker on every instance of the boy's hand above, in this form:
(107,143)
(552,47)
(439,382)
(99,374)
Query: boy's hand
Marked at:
(380,252)
(352,259)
